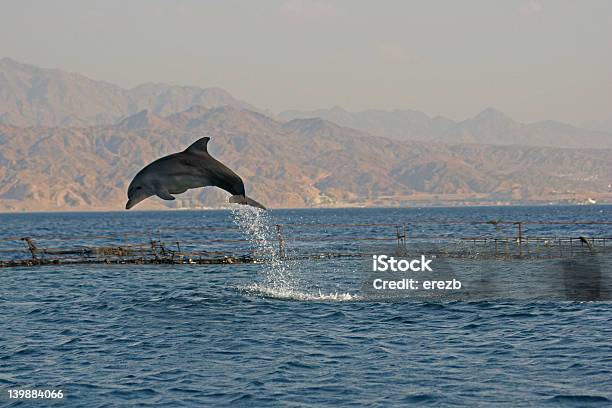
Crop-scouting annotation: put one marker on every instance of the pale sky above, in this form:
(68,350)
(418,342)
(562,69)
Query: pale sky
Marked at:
(533,59)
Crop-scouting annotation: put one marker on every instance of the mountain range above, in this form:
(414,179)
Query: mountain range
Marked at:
(300,163)
(488,127)
(33,96)
(71,143)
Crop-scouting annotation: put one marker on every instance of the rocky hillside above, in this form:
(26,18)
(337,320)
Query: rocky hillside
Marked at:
(303,162)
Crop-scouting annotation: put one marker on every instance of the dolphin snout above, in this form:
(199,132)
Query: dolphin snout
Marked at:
(133,200)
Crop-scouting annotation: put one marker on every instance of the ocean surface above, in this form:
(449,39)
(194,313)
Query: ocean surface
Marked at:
(305,331)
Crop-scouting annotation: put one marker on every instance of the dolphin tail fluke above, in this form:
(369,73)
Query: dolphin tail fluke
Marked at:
(244,200)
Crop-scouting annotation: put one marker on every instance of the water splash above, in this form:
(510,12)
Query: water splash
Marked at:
(279,272)
(258,228)
(256,289)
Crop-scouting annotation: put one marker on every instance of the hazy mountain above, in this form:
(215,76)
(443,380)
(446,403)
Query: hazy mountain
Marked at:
(494,127)
(33,96)
(303,162)
(163,99)
(603,125)
(488,127)
(396,124)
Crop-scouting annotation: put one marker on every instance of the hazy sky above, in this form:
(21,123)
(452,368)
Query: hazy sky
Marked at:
(533,59)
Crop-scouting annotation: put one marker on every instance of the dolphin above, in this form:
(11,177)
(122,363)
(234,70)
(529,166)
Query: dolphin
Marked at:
(194,167)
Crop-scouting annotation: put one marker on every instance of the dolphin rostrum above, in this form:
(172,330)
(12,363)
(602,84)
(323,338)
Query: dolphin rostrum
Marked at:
(192,168)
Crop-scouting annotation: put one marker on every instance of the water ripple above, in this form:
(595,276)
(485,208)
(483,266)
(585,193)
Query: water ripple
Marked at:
(218,335)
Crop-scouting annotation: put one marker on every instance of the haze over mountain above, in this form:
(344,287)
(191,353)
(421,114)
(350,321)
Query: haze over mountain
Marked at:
(300,163)
(601,125)
(488,127)
(33,96)
(395,124)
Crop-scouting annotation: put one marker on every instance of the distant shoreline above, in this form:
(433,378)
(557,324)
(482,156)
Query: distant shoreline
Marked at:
(170,210)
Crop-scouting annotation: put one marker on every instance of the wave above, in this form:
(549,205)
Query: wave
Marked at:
(579,399)
(256,289)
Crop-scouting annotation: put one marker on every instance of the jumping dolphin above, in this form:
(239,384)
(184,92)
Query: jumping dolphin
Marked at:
(192,168)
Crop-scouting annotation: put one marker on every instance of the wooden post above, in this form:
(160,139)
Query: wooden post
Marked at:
(401,237)
(281,241)
(520,237)
(397,237)
(31,247)
(154,250)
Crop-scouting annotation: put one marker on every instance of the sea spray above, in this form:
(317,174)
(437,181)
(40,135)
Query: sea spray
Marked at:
(279,272)
(258,228)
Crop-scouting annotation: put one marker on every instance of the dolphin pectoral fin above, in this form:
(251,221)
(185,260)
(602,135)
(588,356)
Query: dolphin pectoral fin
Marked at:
(164,195)
(244,200)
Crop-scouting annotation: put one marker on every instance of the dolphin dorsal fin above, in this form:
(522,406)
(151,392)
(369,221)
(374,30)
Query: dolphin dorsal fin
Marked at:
(199,146)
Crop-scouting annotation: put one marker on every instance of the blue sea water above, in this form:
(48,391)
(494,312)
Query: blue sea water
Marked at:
(298,333)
